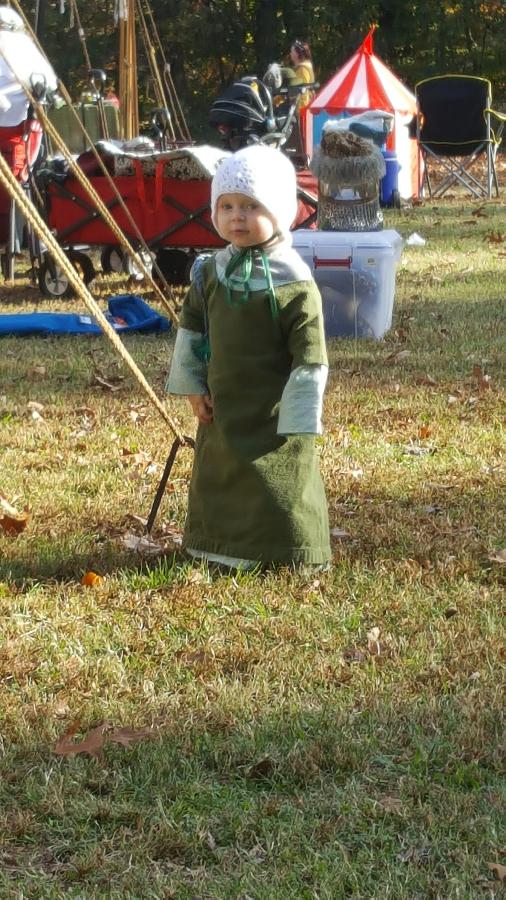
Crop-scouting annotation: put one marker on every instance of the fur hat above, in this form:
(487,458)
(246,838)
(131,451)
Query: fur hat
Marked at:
(265,175)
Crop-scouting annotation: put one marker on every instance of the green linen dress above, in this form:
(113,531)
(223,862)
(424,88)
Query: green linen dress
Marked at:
(254,494)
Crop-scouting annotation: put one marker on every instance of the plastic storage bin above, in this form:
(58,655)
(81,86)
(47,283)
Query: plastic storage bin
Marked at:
(355,272)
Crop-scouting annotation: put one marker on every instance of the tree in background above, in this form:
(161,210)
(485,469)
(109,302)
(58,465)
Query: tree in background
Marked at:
(211,42)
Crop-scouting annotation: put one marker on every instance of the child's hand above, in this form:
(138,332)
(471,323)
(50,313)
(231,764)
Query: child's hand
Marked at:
(202,406)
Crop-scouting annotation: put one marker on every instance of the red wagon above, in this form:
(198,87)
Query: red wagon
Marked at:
(172,213)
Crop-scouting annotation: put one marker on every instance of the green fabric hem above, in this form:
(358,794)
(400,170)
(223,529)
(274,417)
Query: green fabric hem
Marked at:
(309,555)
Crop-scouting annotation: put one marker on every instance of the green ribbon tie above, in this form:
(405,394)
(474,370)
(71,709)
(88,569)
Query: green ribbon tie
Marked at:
(244,259)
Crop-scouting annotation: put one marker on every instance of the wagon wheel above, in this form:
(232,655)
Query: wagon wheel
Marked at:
(175,265)
(130,267)
(111,260)
(54,283)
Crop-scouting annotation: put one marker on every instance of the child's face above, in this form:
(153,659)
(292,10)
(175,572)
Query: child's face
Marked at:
(243,221)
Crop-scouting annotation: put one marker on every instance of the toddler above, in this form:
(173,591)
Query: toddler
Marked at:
(250,356)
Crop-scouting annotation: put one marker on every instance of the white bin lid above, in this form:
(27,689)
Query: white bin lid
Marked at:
(342,241)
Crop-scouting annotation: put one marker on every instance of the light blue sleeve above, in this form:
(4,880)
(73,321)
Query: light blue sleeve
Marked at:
(188,373)
(300,411)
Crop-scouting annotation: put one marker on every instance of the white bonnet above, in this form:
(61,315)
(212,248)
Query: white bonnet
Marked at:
(264,174)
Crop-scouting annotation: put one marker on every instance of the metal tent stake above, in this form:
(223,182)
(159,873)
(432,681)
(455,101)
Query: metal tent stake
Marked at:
(188,442)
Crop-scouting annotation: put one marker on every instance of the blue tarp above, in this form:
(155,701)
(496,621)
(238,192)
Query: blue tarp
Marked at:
(126,313)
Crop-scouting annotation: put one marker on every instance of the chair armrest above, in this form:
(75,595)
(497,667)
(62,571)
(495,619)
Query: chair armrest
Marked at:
(501,120)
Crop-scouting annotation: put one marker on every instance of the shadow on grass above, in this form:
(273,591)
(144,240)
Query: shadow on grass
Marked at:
(329,798)
(429,524)
(69,378)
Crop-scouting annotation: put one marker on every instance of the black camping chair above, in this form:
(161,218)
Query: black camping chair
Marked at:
(454,127)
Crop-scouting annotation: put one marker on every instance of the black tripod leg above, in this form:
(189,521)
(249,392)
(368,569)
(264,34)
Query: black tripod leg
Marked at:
(164,479)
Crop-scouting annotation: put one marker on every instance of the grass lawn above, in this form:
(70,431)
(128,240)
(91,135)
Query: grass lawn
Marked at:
(310,736)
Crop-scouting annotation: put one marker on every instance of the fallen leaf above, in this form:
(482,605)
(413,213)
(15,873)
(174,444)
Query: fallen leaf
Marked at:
(137,417)
(424,432)
(136,458)
(426,379)
(35,406)
(498,556)
(85,411)
(480,213)
(353,654)
(127,736)
(373,644)
(141,544)
(494,237)
(138,520)
(103,382)
(498,870)
(195,577)
(91,579)
(36,370)
(413,450)
(12,521)
(210,841)
(339,534)
(93,743)
(174,534)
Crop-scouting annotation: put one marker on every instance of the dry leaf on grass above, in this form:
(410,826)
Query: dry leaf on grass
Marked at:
(498,556)
(141,544)
(498,870)
(426,380)
(138,417)
(85,412)
(494,237)
(93,743)
(413,450)
(424,432)
(12,521)
(111,385)
(339,534)
(373,644)
(175,535)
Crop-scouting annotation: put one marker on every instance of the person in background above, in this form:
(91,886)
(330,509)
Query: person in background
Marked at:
(250,357)
(302,62)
